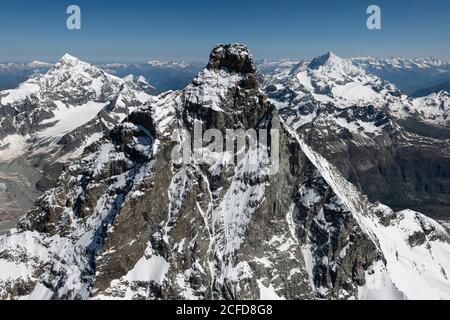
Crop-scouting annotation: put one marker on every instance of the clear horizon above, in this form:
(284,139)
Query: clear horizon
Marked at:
(138,31)
(206,59)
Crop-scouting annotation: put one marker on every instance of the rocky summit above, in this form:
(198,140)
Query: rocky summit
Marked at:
(233,58)
(128,220)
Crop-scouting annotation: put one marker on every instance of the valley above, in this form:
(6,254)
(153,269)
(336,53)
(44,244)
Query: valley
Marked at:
(18,191)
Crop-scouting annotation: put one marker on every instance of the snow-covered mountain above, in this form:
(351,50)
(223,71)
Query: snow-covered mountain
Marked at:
(331,79)
(163,75)
(53,117)
(45,109)
(399,63)
(395,148)
(128,221)
(409,74)
(415,77)
(433,109)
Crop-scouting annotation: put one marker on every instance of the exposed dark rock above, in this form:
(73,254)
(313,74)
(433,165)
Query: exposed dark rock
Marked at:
(233,58)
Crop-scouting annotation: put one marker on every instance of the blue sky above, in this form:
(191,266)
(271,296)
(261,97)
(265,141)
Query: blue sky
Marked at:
(139,30)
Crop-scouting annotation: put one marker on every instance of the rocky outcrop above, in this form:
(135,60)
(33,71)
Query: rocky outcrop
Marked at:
(233,58)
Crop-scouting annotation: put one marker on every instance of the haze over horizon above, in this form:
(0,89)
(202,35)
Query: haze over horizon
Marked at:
(257,59)
(183,31)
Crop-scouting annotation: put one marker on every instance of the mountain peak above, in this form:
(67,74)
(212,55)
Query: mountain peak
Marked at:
(333,66)
(233,58)
(68,62)
(327,59)
(331,55)
(78,81)
(139,83)
(69,58)
(70,67)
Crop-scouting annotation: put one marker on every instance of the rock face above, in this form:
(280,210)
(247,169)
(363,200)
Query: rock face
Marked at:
(130,220)
(232,58)
(394,148)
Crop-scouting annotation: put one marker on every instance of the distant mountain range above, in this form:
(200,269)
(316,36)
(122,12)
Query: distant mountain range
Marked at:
(409,75)
(416,77)
(164,76)
(12,74)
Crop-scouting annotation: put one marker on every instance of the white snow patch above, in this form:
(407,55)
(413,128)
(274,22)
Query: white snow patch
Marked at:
(24,91)
(153,269)
(379,285)
(267,293)
(12,147)
(69,118)
(355,92)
